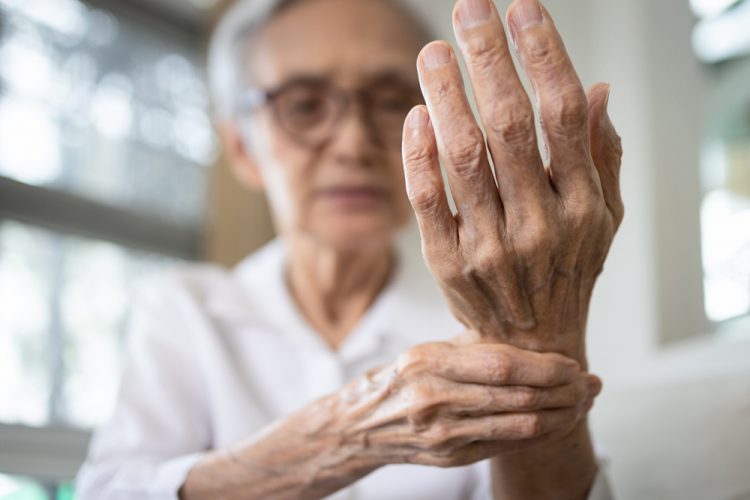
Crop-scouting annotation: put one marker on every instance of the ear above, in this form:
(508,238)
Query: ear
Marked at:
(241,159)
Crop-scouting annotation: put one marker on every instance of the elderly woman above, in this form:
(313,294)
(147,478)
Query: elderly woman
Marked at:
(325,364)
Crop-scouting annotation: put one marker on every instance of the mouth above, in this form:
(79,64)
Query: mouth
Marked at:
(353,195)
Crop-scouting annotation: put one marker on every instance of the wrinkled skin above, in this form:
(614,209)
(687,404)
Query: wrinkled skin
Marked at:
(434,407)
(519,259)
(442,404)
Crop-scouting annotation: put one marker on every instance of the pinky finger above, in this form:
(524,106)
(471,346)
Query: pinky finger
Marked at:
(606,149)
(526,426)
(425,187)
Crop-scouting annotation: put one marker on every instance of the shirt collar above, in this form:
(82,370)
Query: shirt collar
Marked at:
(259,294)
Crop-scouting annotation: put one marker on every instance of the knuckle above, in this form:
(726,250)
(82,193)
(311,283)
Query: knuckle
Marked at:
(422,397)
(499,368)
(486,262)
(418,420)
(412,361)
(584,213)
(484,54)
(617,147)
(423,405)
(418,155)
(534,238)
(530,426)
(438,436)
(465,156)
(526,397)
(566,111)
(513,126)
(425,199)
(539,50)
(619,213)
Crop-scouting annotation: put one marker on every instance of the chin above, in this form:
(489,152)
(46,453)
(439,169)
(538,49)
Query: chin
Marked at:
(353,234)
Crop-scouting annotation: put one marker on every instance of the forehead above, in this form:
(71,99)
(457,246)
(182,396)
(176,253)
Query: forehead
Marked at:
(345,40)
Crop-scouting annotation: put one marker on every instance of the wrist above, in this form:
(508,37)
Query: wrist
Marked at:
(563,468)
(340,440)
(571,345)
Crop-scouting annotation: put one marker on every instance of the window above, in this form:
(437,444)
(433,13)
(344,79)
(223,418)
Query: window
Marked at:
(725,210)
(64,301)
(104,108)
(722,40)
(20,488)
(105,141)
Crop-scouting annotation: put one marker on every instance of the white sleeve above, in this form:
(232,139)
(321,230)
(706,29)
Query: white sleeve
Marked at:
(482,490)
(159,428)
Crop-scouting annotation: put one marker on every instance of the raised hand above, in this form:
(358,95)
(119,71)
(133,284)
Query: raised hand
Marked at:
(519,259)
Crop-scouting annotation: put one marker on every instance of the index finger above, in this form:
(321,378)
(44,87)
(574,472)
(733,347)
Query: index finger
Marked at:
(503,364)
(561,100)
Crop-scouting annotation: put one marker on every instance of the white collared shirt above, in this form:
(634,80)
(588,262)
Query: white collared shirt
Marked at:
(214,356)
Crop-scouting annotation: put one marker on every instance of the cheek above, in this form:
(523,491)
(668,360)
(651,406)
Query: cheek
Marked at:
(402,207)
(282,166)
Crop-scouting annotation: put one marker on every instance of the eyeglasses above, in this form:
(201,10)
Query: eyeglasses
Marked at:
(310,110)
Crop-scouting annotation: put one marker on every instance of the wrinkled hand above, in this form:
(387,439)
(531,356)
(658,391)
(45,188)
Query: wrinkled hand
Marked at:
(454,403)
(519,259)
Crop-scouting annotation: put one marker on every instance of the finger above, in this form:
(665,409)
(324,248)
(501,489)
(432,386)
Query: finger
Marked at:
(504,107)
(478,450)
(502,365)
(606,149)
(515,426)
(475,451)
(560,97)
(424,185)
(453,443)
(460,141)
(473,400)
(594,385)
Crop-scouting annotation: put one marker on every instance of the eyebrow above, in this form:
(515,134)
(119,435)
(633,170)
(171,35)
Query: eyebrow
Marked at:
(378,77)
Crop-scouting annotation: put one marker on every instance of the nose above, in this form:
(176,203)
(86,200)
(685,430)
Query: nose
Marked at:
(355,141)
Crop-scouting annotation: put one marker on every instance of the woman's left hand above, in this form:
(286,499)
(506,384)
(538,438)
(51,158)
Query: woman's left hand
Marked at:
(519,259)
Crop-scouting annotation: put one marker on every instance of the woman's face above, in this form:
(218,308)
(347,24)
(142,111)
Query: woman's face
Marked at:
(344,187)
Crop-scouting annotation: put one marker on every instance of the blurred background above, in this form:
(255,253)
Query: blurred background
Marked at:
(110,170)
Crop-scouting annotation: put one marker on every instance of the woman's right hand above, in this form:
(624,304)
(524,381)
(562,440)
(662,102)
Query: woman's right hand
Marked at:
(442,404)
(454,403)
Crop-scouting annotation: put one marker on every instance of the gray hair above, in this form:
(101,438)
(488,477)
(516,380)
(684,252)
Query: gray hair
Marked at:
(229,40)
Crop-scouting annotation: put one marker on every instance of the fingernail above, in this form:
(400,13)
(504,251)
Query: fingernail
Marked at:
(604,116)
(527,13)
(436,55)
(606,96)
(594,387)
(474,12)
(417,118)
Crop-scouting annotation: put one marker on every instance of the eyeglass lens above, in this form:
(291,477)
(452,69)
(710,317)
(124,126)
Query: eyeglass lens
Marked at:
(311,111)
